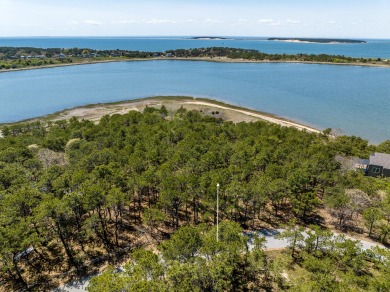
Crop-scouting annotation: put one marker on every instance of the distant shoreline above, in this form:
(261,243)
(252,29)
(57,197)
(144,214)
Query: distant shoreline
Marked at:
(318,40)
(204,59)
(209,38)
(17,58)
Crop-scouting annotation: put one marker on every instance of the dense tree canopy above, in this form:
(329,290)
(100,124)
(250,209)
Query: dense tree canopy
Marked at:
(319,262)
(74,194)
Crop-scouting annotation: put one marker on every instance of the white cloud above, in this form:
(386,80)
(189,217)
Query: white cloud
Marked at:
(193,18)
(210,20)
(145,21)
(270,22)
(241,22)
(276,23)
(92,22)
(289,21)
(159,21)
(125,21)
(266,20)
(273,22)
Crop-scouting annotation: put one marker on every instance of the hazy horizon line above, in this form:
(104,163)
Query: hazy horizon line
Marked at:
(183,36)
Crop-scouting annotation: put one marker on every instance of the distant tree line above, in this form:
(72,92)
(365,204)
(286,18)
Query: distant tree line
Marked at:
(13,58)
(9,52)
(246,54)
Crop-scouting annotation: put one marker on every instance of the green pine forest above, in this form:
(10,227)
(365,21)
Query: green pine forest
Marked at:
(139,191)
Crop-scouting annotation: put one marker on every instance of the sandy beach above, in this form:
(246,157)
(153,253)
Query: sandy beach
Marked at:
(274,120)
(206,106)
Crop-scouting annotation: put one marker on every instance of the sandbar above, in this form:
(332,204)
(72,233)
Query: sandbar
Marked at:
(211,107)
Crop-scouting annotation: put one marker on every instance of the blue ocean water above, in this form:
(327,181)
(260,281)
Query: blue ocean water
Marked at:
(353,99)
(371,49)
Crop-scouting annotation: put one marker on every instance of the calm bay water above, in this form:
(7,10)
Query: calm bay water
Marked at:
(371,49)
(354,99)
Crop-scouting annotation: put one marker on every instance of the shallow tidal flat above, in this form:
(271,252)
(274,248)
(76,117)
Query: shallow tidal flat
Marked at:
(353,99)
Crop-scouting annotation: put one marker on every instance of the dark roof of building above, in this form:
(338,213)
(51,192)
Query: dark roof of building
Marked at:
(380,159)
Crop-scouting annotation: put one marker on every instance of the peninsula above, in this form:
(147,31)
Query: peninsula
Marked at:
(210,107)
(318,40)
(20,58)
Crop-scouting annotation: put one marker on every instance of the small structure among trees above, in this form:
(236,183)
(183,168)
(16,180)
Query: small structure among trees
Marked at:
(379,165)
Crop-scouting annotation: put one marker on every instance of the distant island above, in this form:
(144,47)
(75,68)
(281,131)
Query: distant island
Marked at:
(315,40)
(208,38)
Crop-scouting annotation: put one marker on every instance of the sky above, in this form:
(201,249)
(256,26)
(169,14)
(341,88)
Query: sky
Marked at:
(278,18)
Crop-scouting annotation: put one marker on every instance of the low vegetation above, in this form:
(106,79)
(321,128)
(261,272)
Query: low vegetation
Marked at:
(75,195)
